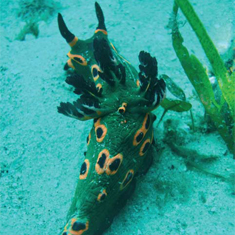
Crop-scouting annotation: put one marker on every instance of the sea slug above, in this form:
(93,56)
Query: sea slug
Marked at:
(120,101)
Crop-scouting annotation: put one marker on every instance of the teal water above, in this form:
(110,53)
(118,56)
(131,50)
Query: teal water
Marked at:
(41,150)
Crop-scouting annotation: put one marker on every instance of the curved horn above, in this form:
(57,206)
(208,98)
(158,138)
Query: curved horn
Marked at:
(66,34)
(100,17)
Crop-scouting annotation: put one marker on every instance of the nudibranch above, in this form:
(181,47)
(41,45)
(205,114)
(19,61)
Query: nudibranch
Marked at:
(119,100)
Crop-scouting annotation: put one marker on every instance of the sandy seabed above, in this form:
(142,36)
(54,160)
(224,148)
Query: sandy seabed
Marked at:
(41,151)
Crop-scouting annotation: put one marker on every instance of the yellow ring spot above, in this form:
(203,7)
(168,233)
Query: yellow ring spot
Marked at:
(143,130)
(143,148)
(128,178)
(80,232)
(102,196)
(111,167)
(78,59)
(146,118)
(104,153)
(101,132)
(95,66)
(84,172)
(121,110)
(139,134)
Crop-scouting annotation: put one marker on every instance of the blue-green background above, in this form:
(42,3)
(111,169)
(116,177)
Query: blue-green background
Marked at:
(41,150)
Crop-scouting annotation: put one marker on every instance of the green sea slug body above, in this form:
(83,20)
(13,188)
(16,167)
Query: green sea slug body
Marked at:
(120,101)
